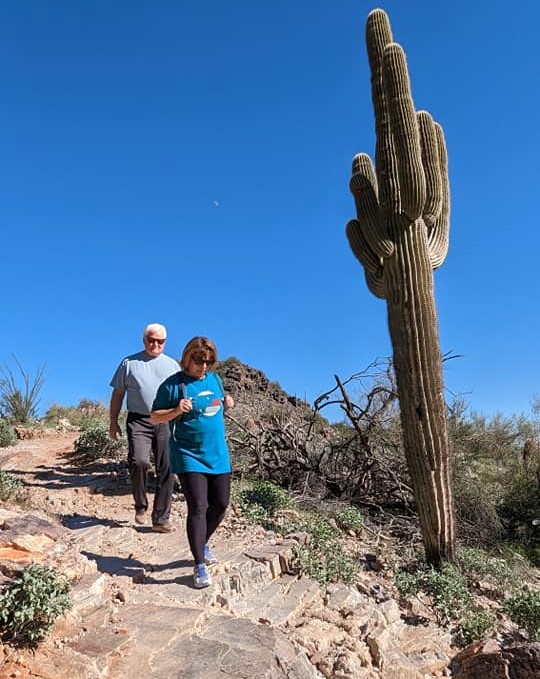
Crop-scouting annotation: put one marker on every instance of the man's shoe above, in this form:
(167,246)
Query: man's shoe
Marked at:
(162,527)
(201,577)
(140,516)
(209,558)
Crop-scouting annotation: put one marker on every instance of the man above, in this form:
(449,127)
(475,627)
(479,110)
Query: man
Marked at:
(140,376)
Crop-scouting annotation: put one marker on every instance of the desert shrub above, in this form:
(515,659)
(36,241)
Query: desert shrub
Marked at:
(474,625)
(19,397)
(524,609)
(496,483)
(447,588)
(30,605)
(87,412)
(477,564)
(325,563)
(94,443)
(7,434)
(263,499)
(10,486)
(349,519)
(520,502)
(322,558)
(476,512)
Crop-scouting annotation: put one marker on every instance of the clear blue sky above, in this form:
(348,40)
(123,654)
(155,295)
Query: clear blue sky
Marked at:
(188,163)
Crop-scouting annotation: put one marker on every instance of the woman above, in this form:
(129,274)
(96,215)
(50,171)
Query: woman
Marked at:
(193,401)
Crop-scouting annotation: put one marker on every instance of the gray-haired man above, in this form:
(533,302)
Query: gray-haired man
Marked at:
(140,375)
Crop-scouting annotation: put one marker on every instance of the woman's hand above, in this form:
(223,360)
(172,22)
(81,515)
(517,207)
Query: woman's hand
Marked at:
(228,402)
(184,406)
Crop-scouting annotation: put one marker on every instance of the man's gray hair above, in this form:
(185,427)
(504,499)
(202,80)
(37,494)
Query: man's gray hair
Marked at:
(157,328)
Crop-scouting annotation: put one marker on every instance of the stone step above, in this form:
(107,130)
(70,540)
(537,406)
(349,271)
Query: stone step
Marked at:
(279,601)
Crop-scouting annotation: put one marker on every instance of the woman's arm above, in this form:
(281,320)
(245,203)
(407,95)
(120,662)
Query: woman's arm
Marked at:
(166,414)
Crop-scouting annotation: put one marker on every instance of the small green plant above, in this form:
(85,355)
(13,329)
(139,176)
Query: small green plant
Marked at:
(7,434)
(349,519)
(475,624)
(524,609)
(94,443)
(478,564)
(325,563)
(31,604)
(322,558)
(10,486)
(263,499)
(319,528)
(447,588)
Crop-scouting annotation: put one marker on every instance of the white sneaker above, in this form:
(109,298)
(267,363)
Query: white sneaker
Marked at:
(209,558)
(201,577)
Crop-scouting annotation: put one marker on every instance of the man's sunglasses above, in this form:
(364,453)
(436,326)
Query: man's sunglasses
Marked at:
(152,340)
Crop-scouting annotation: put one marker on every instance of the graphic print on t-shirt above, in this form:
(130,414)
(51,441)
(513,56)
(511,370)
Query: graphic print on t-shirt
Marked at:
(206,403)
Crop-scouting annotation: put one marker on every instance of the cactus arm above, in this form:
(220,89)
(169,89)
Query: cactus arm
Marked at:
(363,186)
(430,161)
(439,235)
(411,178)
(378,35)
(370,261)
(356,236)
(375,283)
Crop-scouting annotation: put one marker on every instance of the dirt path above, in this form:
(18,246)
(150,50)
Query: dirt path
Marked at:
(135,608)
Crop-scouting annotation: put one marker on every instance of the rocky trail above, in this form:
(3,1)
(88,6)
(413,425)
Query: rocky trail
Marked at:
(136,613)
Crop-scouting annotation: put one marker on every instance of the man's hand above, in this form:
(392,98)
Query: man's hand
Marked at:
(114,431)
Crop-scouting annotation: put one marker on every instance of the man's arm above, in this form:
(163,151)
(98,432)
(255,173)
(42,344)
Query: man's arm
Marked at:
(115,407)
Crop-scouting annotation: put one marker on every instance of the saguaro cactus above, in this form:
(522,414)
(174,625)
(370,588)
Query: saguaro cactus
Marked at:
(401,235)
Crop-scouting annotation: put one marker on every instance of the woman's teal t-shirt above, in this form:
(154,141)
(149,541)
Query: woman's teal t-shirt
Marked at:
(197,442)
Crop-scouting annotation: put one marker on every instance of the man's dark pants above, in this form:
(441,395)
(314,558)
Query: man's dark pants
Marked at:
(145,438)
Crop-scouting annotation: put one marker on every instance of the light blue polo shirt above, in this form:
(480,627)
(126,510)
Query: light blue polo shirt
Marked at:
(140,375)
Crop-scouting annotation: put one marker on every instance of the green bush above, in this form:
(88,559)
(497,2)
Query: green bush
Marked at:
(475,624)
(85,414)
(323,558)
(520,503)
(524,609)
(31,604)
(319,528)
(447,588)
(7,434)
(10,486)
(477,564)
(265,497)
(349,519)
(325,563)
(94,443)
(476,512)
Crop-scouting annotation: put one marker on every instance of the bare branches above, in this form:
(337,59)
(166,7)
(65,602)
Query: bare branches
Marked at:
(359,460)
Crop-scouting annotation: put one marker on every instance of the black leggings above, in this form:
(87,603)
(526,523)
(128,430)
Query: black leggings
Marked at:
(207,497)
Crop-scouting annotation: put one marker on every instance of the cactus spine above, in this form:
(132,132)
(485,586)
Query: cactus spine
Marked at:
(400,235)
